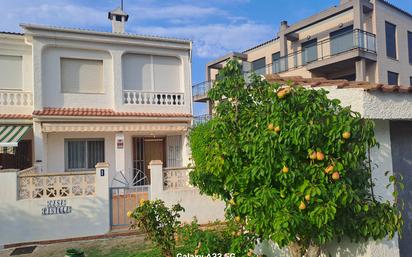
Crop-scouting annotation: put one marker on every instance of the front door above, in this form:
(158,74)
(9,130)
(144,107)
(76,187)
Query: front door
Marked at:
(144,151)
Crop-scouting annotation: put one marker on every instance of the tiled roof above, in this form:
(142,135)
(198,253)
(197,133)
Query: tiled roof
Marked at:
(103,113)
(15,116)
(11,33)
(322,82)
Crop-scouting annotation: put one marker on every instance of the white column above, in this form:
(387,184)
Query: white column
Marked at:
(37,51)
(361,70)
(120,157)
(117,79)
(102,193)
(40,147)
(156,181)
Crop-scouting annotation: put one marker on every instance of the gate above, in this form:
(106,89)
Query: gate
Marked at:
(125,195)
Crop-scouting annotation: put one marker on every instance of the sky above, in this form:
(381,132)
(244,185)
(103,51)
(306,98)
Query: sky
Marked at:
(216,27)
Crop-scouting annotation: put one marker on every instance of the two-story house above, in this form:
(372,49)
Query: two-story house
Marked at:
(70,98)
(357,40)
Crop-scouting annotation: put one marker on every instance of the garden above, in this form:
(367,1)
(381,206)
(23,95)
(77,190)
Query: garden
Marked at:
(291,165)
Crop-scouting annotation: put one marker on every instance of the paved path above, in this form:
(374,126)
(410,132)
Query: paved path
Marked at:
(92,248)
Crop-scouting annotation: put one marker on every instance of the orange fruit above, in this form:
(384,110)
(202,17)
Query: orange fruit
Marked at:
(270,126)
(302,206)
(335,175)
(320,156)
(285,169)
(281,94)
(307,198)
(312,155)
(346,135)
(237,218)
(329,169)
(277,129)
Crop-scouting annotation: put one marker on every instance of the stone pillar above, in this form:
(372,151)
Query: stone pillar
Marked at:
(117,79)
(357,14)
(156,181)
(361,70)
(120,157)
(102,193)
(40,145)
(282,38)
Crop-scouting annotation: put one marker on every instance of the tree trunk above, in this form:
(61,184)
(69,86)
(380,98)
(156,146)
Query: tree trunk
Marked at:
(313,251)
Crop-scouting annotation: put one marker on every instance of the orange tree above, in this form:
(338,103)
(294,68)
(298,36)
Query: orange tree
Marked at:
(290,164)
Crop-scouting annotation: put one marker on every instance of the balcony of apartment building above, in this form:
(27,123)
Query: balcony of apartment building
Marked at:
(339,52)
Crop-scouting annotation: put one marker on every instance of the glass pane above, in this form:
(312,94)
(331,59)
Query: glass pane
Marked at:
(390,31)
(393,78)
(259,66)
(95,152)
(76,155)
(342,40)
(309,51)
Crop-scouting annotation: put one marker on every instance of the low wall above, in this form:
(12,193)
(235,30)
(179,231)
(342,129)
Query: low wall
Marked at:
(39,217)
(171,186)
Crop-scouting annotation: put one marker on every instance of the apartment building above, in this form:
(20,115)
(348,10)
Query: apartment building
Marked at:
(71,98)
(357,40)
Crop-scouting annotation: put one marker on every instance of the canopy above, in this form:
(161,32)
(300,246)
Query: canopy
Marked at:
(10,135)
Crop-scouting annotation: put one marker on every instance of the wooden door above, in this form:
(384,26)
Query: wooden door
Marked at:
(153,150)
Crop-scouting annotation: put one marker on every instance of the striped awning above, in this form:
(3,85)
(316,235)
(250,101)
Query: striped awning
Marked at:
(10,135)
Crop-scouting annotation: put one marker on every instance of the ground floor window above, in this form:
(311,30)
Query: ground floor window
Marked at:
(19,157)
(83,154)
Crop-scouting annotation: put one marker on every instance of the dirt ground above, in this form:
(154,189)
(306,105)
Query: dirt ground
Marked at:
(92,248)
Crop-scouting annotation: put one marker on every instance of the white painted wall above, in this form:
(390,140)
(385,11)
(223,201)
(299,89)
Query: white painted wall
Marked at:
(203,207)
(53,93)
(22,220)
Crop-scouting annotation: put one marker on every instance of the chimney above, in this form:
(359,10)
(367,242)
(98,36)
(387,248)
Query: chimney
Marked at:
(119,19)
(283,25)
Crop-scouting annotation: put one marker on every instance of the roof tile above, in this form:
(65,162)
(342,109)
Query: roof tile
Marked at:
(95,112)
(15,116)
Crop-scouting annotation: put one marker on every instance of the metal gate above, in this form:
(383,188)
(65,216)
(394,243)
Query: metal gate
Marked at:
(125,195)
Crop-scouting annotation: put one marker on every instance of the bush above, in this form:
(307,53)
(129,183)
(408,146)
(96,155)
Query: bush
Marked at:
(159,223)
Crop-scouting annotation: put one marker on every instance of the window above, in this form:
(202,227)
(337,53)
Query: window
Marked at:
(410,46)
(276,63)
(410,81)
(341,40)
(11,75)
(83,154)
(259,66)
(393,78)
(81,75)
(390,31)
(309,51)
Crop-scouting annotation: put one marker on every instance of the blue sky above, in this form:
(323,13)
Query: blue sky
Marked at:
(215,26)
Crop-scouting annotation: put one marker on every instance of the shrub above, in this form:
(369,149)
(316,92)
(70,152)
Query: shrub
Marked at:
(159,223)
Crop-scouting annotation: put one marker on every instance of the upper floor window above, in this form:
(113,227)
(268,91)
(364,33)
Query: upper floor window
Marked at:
(83,154)
(11,72)
(276,63)
(410,46)
(309,51)
(152,73)
(390,32)
(341,40)
(81,75)
(410,81)
(393,78)
(259,66)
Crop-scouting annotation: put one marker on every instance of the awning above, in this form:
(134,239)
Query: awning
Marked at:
(115,127)
(10,135)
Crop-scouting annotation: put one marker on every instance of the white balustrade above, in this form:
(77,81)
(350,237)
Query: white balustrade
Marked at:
(16,98)
(56,185)
(134,97)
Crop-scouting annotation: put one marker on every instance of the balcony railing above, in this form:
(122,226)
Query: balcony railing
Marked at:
(201,119)
(325,49)
(15,98)
(135,97)
(201,89)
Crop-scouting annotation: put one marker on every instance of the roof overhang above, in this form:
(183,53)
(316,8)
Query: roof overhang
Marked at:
(216,64)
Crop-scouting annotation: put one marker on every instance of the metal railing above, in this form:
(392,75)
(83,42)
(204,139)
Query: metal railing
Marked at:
(201,119)
(201,89)
(325,49)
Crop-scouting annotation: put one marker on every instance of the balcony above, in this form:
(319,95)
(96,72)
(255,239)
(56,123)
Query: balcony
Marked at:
(136,97)
(200,91)
(9,98)
(343,49)
(201,119)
